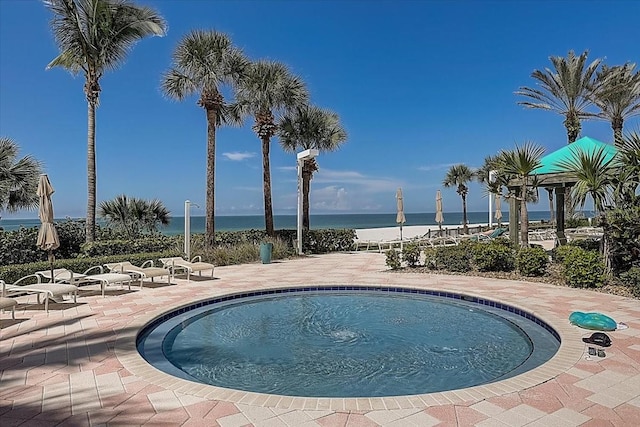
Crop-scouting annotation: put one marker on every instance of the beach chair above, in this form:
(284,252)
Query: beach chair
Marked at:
(62,275)
(41,290)
(8,303)
(145,271)
(189,267)
(443,241)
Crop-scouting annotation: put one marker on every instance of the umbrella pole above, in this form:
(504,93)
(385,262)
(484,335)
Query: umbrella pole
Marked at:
(51,263)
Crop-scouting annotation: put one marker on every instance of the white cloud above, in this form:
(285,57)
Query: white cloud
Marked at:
(368,184)
(332,198)
(238,157)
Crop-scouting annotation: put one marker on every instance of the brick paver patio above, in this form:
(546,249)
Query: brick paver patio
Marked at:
(77,366)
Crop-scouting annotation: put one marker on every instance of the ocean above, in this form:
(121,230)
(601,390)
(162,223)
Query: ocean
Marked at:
(236,223)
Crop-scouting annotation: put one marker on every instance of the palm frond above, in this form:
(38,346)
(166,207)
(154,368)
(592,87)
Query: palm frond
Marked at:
(311,127)
(18,178)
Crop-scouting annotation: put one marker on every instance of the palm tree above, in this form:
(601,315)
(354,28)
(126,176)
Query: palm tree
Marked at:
(617,94)
(566,90)
(18,178)
(95,36)
(269,87)
(593,173)
(306,128)
(134,216)
(520,163)
(627,179)
(204,62)
(459,176)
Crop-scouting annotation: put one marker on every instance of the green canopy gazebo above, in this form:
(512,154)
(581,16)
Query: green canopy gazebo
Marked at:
(552,176)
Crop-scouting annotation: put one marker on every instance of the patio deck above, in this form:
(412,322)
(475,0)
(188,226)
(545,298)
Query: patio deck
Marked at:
(75,366)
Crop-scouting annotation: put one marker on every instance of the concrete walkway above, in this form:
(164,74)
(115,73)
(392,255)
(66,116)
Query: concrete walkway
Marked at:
(75,366)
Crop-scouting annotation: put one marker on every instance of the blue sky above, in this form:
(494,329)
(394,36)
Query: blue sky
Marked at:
(419,86)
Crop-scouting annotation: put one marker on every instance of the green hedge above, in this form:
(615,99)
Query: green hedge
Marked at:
(123,247)
(583,269)
(411,254)
(393,259)
(11,273)
(493,256)
(532,261)
(631,279)
(453,258)
(330,240)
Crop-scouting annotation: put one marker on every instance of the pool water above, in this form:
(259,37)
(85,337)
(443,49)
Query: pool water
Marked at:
(337,344)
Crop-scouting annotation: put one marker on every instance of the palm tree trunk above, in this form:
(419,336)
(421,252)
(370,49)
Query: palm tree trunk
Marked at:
(266,177)
(210,234)
(573,126)
(465,229)
(306,183)
(551,211)
(617,124)
(524,218)
(90,225)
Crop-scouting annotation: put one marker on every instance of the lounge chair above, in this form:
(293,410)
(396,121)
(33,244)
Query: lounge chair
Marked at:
(146,271)
(62,275)
(190,267)
(45,290)
(443,241)
(8,303)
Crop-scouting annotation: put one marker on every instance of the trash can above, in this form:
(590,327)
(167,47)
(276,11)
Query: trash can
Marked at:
(265,252)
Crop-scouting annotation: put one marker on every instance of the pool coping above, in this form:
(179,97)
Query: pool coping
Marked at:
(569,353)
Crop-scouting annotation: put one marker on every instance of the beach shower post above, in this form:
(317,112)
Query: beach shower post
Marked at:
(301,158)
(187,228)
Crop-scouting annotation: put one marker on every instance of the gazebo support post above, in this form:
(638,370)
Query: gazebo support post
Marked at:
(562,239)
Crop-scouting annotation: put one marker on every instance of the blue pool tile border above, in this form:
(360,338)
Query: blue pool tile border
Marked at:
(388,289)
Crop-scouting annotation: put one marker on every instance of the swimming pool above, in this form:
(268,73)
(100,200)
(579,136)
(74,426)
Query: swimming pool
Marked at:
(347,341)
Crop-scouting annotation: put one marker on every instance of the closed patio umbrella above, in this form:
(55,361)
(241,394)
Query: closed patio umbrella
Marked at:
(47,236)
(498,214)
(439,214)
(400,218)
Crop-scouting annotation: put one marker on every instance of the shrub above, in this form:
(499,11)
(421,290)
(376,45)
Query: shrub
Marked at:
(393,259)
(429,258)
(493,257)
(631,279)
(558,254)
(622,231)
(453,258)
(583,269)
(330,240)
(411,254)
(586,244)
(121,247)
(19,246)
(532,261)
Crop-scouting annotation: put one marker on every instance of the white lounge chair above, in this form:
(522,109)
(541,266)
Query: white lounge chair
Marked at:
(42,290)
(146,271)
(8,303)
(62,275)
(190,267)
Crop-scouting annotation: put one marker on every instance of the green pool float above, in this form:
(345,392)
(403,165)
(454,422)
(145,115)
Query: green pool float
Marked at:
(594,321)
